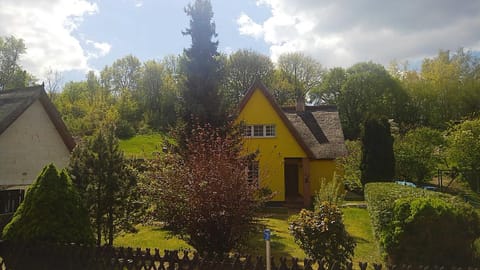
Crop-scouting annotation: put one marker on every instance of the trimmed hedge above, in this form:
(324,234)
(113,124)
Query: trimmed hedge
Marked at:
(401,216)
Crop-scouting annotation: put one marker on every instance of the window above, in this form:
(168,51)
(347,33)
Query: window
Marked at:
(10,200)
(270,131)
(259,131)
(252,173)
(247,131)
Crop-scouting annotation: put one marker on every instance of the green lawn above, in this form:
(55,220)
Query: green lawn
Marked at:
(356,221)
(142,146)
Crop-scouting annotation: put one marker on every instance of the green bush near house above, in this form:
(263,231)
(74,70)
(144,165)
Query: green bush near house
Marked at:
(51,212)
(322,235)
(402,216)
(432,231)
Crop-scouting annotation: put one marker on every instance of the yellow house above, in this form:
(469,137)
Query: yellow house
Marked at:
(296,147)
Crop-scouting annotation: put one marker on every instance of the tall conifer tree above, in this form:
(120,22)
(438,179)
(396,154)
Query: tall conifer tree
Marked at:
(378,160)
(201,97)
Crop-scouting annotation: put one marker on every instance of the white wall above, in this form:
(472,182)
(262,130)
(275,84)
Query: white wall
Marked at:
(29,144)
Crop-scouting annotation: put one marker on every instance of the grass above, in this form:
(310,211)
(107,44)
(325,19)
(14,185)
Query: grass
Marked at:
(143,146)
(356,220)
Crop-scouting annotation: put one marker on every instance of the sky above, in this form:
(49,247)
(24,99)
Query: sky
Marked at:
(75,36)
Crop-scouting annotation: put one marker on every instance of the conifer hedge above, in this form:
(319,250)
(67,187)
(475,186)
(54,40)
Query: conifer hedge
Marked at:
(51,212)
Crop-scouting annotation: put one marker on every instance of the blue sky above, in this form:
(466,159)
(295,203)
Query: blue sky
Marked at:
(74,36)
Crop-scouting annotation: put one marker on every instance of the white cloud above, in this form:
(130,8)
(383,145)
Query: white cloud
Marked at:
(47,27)
(248,27)
(102,48)
(341,33)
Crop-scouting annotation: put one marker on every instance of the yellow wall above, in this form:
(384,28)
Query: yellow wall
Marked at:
(320,169)
(273,151)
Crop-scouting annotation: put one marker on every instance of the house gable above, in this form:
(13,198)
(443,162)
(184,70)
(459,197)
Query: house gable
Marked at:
(32,134)
(259,110)
(28,144)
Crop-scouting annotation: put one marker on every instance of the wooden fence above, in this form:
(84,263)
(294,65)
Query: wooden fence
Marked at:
(73,257)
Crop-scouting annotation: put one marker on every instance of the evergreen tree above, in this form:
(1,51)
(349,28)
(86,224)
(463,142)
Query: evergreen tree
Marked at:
(51,212)
(201,97)
(378,160)
(106,182)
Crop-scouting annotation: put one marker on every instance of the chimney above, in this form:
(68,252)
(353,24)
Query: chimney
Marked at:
(300,105)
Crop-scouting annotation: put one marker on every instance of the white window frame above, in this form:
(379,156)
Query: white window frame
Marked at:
(260,131)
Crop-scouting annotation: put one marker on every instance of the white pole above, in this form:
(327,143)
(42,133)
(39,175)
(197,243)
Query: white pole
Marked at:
(266,236)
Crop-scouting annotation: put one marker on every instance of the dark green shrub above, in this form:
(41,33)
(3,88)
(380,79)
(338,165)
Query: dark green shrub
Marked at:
(431,231)
(51,212)
(322,235)
(378,160)
(382,199)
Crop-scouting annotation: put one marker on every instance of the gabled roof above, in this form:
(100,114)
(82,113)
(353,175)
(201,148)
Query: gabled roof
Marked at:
(16,101)
(317,130)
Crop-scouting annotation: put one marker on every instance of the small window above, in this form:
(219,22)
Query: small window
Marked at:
(247,131)
(252,174)
(270,131)
(258,130)
(10,200)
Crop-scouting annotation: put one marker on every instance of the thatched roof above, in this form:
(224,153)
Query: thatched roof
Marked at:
(317,130)
(16,101)
(319,127)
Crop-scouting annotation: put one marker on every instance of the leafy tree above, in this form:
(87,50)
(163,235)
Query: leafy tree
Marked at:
(204,196)
(350,166)
(107,183)
(369,91)
(463,151)
(158,94)
(331,87)
(378,160)
(417,154)
(51,212)
(11,74)
(302,72)
(322,235)
(242,69)
(202,99)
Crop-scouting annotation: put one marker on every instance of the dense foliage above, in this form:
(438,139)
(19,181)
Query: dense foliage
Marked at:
(204,196)
(11,73)
(51,212)
(418,154)
(350,166)
(107,184)
(432,231)
(463,150)
(392,223)
(378,160)
(322,235)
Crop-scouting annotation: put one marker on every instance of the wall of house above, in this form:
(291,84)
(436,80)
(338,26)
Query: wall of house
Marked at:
(29,144)
(320,169)
(271,151)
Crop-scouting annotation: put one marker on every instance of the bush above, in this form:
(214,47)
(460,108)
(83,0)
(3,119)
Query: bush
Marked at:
(204,196)
(383,200)
(51,212)
(431,231)
(330,191)
(322,235)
